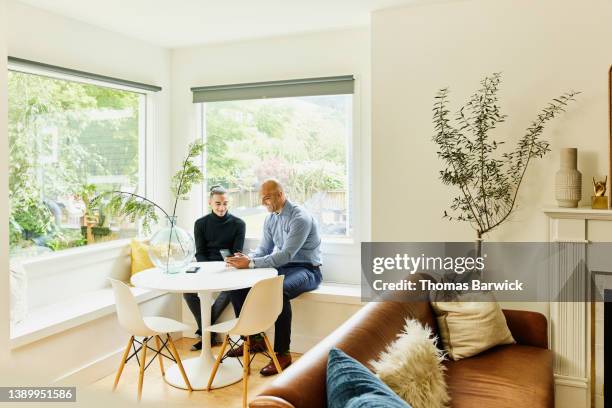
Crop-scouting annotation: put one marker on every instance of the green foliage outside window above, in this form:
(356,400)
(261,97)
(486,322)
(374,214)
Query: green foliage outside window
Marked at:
(61,135)
(301,141)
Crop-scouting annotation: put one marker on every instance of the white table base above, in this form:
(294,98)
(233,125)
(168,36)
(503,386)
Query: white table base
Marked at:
(229,372)
(198,369)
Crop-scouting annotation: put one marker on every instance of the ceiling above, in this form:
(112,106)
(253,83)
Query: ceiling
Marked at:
(181,23)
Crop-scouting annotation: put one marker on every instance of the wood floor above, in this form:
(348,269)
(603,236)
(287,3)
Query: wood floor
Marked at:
(156,390)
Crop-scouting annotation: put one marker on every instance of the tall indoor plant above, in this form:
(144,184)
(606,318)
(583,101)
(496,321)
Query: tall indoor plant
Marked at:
(488,181)
(171,248)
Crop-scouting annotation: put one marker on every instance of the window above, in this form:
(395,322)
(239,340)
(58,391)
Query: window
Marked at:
(69,140)
(302,141)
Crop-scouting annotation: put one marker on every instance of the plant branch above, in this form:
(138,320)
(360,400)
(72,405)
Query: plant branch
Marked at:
(130,194)
(178,193)
(441,113)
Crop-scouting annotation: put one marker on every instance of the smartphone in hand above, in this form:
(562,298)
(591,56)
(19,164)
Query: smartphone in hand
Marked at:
(225,253)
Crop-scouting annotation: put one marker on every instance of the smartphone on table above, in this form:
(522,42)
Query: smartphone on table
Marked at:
(192,269)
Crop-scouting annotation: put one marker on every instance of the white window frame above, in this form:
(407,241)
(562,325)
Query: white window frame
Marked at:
(148,124)
(109,259)
(341,255)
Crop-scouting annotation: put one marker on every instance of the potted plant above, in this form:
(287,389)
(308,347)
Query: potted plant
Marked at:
(488,182)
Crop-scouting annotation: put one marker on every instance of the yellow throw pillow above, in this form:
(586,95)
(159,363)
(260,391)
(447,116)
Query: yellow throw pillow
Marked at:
(140,256)
(469,326)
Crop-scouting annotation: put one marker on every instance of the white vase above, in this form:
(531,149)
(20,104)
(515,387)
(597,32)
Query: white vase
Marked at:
(568,180)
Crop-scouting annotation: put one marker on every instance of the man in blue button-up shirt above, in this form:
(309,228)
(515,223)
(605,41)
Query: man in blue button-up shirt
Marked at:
(292,245)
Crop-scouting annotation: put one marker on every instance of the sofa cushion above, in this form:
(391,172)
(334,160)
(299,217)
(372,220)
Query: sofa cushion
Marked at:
(351,384)
(503,377)
(412,367)
(458,319)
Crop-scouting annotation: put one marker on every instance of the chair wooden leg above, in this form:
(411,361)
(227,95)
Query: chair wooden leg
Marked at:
(161,358)
(179,363)
(123,359)
(249,361)
(217,362)
(272,354)
(245,369)
(143,363)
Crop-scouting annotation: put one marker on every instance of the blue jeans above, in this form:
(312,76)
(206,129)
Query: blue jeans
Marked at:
(299,278)
(193,302)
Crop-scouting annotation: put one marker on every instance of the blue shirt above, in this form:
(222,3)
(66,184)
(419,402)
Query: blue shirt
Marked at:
(289,236)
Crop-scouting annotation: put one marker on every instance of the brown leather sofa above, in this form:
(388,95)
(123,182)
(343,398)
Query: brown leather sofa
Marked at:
(513,376)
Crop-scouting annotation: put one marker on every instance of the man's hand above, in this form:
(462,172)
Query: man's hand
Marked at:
(239,261)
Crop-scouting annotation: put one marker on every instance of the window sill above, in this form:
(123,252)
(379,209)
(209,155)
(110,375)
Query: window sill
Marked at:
(78,251)
(58,317)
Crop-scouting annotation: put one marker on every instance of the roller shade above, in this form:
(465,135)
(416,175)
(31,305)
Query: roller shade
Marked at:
(81,74)
(336,85)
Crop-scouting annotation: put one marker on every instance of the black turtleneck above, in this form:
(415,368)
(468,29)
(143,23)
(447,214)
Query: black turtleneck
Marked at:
(213,233)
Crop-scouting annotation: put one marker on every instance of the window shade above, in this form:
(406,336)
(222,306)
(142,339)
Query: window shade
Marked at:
(81,74)
(336,85)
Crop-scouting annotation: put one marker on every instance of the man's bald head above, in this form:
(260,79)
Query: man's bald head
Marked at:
(272,195)
(272,185)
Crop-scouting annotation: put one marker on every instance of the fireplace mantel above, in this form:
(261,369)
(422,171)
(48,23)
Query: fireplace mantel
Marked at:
(571,331)
(580,213)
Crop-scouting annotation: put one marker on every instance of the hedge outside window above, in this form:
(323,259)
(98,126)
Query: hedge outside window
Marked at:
(69,140)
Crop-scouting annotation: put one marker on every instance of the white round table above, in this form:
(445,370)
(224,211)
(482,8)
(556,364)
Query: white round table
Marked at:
(212,277)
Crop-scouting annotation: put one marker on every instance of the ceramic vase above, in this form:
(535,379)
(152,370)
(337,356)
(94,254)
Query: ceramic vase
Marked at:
(568,180)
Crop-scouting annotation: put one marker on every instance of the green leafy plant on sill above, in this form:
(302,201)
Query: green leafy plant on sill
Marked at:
(66,238)
(134,206)
(488,182)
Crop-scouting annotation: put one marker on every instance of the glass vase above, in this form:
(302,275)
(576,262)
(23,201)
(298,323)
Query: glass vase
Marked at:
(171,248)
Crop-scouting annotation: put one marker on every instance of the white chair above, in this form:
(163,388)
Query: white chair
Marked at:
(132,321)
(261,307)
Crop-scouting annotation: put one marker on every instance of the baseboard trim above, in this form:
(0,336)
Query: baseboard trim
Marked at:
(572,392)
(93,371)
(97,369)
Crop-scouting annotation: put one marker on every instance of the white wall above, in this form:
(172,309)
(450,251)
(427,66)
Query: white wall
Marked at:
(543,48)
(297,56)
(41,36)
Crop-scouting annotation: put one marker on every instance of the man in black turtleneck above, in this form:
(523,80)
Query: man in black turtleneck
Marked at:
(214,232)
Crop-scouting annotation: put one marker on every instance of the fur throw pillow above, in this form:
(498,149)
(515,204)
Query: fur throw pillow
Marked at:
(412,367)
